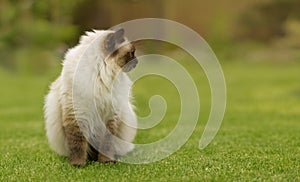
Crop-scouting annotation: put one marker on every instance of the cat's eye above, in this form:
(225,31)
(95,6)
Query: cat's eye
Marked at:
(131,54)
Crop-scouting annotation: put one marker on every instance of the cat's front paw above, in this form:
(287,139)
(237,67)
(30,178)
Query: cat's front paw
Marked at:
(103,159)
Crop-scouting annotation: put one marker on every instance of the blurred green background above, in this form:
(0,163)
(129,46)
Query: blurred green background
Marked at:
(35,34)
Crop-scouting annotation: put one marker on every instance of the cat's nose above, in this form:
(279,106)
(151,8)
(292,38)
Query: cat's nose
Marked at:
(133,59)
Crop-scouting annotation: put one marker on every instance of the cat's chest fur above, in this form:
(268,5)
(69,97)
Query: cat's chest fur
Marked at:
(112,96)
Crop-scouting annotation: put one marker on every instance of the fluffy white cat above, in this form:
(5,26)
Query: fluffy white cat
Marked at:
(88,110)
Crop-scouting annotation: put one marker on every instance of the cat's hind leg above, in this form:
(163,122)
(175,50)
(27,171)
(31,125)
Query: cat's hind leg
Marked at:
(75,139)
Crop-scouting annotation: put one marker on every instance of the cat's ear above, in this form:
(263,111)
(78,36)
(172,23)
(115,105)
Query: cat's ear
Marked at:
(110,42)
(119,35)
(113,38)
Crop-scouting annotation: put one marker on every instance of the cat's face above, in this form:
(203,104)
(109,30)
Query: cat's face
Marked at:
(120,52)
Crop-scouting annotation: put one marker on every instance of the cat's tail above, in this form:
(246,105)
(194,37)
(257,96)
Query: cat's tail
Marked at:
(53,116)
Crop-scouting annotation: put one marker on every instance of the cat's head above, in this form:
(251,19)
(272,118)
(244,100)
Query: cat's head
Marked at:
(120,53)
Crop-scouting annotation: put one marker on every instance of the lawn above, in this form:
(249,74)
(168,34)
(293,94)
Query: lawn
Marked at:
(259,138)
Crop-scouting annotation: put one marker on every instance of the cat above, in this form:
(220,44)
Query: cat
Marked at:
(73,127)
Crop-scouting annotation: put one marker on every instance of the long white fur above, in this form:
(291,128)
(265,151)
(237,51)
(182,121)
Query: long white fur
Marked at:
(101,93)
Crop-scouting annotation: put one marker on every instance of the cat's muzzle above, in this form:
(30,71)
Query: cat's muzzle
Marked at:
(130,65)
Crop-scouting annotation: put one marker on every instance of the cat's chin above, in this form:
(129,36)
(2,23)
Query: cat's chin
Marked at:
(130,65)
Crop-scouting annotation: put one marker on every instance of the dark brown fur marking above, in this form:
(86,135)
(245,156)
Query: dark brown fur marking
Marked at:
(80,150)
(76,142)
(112,126)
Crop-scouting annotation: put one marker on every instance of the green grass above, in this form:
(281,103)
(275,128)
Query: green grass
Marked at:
(258,140)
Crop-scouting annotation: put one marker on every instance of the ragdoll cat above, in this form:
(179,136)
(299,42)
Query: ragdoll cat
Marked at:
(88,113)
